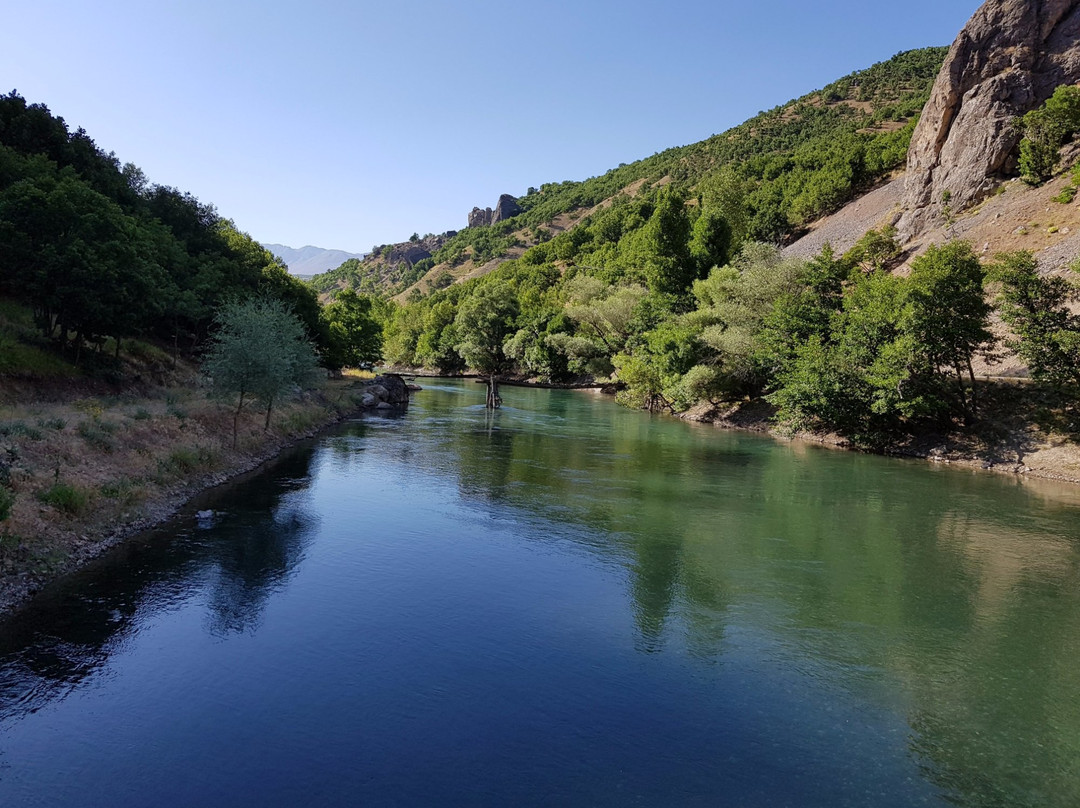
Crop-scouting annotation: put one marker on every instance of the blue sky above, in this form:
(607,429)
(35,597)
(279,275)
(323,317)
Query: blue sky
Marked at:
(344,125)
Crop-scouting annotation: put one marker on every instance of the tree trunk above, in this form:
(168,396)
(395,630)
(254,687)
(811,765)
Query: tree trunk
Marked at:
(236,419)
(269,406)
(974,395)
(963,394)
(494,401)
(117,355)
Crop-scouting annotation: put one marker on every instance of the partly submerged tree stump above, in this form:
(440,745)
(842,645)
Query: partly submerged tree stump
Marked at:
(494,400)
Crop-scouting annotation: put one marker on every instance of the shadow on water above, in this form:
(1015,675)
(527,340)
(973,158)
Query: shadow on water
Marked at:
(238,556)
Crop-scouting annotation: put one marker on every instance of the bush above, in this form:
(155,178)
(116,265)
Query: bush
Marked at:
(125,491)
(70,499)
(98,434)
(1045,131)
(187,460)
(7,499)
(16,428)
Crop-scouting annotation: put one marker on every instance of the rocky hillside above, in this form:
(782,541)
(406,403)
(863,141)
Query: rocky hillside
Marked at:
(789,165)
(1008,60)
(388,269)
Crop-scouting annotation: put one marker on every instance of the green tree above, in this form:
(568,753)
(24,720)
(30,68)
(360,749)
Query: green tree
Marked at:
(352,336)
(949,316)
(665,239)
(710,241)
(876,250)
(435,344)
(1036,309)
(483,324)
(260,350)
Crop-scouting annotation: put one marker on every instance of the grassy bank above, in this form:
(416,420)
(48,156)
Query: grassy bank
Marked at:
(79,474)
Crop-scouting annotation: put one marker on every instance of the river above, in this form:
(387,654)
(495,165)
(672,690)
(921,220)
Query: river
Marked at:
(562,603)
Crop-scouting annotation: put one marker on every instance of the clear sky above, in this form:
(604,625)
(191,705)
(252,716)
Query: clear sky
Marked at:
(345,125)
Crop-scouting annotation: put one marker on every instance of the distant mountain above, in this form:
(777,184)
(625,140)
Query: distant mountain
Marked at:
(311,260)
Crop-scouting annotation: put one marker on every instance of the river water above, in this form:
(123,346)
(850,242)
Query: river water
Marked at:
(563,603)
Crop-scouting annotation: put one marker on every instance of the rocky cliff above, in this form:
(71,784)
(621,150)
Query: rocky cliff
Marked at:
(1009,58)
(506,207)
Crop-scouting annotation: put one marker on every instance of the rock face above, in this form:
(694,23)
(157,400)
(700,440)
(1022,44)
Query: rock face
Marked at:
(506,207)
(409,252)
(480,217)
(1009,58)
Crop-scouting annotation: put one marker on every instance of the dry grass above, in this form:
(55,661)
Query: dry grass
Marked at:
(84,470)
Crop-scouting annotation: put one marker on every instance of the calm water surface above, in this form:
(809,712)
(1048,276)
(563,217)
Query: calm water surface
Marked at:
(563,603)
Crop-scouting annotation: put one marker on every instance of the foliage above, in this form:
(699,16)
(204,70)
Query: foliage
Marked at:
(875,250)
(948,320)
(483,324)
(1045,130)
(871,356)
(1036,309)
(70,499)
(261,350)
(352,337)
(98,252)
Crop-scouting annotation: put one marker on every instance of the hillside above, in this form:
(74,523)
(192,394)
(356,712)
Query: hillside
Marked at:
(790,165)
(668,279)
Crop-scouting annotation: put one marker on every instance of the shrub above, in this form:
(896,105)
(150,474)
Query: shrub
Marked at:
(1045,131)
(126,491)
(1067,195)
(7,499)
(98,434)
(16,428)
(187,460)
(70,499)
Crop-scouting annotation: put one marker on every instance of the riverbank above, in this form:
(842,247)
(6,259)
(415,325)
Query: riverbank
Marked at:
(584,383)
(1020,431)
(87,473)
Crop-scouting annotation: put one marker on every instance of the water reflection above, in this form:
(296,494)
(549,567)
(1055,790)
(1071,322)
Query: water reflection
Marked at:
(834,607)
(259,531)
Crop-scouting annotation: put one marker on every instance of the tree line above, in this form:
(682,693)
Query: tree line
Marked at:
(670,296)
(98,252)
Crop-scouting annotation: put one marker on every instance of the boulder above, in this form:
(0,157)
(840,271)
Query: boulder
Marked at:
(1007,60)
(506,207)
(396,391)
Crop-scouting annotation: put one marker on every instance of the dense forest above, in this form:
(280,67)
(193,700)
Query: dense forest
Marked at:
(100,254)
